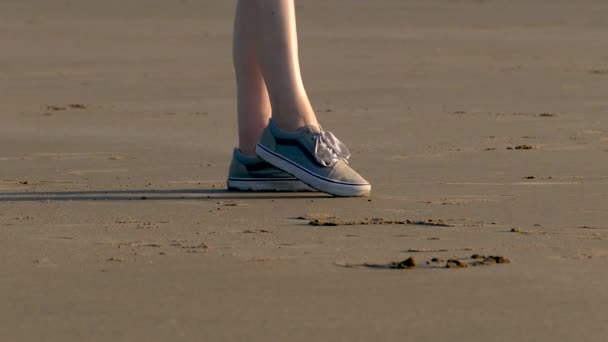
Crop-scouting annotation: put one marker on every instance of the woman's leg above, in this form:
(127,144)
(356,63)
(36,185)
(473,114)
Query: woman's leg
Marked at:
(267,67)
(277,55)
(253,105)
(271,26)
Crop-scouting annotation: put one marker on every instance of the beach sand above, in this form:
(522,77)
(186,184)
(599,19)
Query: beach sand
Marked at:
(117,124)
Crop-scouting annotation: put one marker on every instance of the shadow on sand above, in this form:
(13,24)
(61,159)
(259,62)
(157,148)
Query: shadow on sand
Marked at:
(153,195)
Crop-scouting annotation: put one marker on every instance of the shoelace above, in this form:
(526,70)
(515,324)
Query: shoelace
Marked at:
(329,149)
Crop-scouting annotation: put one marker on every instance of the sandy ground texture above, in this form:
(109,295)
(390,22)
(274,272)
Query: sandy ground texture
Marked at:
(487,117)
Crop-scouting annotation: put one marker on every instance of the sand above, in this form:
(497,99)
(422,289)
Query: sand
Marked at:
(117,124)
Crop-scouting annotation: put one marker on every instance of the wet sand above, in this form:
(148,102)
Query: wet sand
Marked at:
(487,116)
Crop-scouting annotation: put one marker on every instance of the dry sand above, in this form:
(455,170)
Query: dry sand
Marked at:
(114,222)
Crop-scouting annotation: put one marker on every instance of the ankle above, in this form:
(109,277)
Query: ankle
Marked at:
(247,150)
(295,122)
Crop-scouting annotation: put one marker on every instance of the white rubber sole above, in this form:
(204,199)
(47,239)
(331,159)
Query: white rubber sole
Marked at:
(292,185)
(315,181)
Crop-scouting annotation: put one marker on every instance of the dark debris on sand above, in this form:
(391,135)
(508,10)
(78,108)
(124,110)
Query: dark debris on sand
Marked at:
(68,106)
(455,263)
(477,260)
(407,264)
(482,260)
(524,147)
(438,263)
(521,147)
(599,71)
(334,221)
(78,106)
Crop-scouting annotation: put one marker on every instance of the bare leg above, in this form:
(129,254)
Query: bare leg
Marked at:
(268,75)
(253,104)
(277,55)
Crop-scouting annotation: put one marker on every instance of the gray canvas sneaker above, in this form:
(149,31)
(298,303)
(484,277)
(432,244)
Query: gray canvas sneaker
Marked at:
(314,156)
(250,173)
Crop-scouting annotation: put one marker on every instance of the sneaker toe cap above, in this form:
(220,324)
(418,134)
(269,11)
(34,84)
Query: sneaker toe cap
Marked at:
(342,172)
